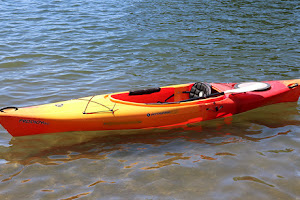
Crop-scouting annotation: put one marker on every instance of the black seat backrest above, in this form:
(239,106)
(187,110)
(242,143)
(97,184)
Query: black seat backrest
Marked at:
(200,89)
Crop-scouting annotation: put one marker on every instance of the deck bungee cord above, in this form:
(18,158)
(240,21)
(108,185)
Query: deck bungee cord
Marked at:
(90,100)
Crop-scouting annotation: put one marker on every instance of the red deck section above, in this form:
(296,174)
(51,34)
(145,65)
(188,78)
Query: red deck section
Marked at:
(155,97)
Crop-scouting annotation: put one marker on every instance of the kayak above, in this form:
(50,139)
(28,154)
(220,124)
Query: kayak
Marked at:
(148,108)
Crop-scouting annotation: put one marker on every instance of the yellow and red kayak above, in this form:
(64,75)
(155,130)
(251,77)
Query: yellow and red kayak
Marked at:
(155,107)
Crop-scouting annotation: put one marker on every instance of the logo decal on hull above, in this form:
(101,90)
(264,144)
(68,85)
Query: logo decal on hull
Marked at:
(159,113)
(30,121)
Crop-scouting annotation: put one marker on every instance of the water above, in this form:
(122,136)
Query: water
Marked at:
(59,50)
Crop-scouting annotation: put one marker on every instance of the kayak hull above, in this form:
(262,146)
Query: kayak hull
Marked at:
(121,111)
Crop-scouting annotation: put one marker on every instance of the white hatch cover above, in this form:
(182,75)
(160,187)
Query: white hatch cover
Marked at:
(257,86)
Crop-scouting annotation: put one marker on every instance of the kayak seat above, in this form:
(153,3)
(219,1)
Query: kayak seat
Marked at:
(200,89)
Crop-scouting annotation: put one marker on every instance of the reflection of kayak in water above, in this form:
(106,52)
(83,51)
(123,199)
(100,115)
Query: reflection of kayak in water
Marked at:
(155,107)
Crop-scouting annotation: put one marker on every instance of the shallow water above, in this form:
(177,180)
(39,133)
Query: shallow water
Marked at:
(58,50)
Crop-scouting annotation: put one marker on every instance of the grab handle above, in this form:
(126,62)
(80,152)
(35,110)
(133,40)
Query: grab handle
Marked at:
(293,85)
(10,107)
